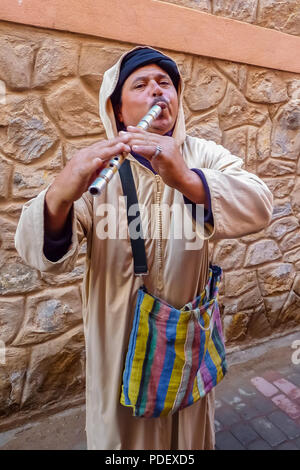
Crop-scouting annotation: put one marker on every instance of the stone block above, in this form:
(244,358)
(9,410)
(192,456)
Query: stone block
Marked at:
(74,110)
(70,148)
(235,326)
(263,141)
(7,234)
(12,377)
(55,59)
(280,187)
(235,110)
(262,251)
(292,256)
(5,177)
(253,237)
(295,197)
(293,86)
(281,227)
(276,167)
(11,317)
(184,63)
(206,87)
(273,307)
(290,241)
(230,254)
(265,86)
(259,326)
(49,314)
(95,59)
(28,183)
(235,140)
(236,9)
(57,371)
(205,126)
(12,209)
(27,132)
(281,210)
(55,160)
(285,140)
(275,278)
(17,277)
(238,282)
(283,16)
(291,310)
(251,158)
(236,72)
(16,61)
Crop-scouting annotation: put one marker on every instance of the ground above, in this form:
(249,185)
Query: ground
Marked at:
(257,406)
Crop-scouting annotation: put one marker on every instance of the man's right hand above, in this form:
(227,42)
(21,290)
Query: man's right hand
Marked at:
(75,179)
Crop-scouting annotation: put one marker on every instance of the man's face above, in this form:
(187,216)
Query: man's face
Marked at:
(141,90)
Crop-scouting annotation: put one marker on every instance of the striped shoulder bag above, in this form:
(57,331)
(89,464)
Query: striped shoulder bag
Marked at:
(175,356)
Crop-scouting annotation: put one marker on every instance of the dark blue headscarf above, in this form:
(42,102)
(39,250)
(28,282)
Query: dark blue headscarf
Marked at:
(139,58)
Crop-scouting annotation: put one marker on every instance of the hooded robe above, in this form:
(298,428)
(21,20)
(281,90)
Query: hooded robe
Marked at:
(241,204)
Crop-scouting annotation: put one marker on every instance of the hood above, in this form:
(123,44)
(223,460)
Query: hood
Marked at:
(109,82)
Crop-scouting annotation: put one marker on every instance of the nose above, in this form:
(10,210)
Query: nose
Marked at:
(156,89)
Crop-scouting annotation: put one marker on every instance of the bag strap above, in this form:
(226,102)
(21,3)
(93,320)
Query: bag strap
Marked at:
(137,244)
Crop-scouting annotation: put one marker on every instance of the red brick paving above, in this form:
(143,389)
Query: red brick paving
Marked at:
(287,405)
(258,406)
(264,387)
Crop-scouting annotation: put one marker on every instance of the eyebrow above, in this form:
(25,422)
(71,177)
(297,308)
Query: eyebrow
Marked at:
(145,77)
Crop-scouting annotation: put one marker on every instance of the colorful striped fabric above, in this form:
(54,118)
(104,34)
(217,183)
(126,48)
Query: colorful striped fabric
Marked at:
(174,356)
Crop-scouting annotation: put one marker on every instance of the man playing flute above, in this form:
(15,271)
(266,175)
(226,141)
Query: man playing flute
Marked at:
(169,168)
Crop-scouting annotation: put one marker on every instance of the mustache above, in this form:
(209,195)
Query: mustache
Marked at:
(161,99)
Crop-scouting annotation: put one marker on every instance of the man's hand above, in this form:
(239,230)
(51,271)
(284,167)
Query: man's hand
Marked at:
(169,163)
(75,179)
(84,167)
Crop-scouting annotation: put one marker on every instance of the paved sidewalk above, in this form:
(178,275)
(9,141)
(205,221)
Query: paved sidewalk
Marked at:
(257,407)
(258,401)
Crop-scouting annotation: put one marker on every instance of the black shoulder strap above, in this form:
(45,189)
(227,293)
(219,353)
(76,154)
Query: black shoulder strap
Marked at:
(137,244)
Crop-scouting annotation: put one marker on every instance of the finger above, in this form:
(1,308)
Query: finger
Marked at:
(122,138)
(136,129)
(143,142)
(117,149)
(128,136)
(110,142)
(98,165)
(146,151)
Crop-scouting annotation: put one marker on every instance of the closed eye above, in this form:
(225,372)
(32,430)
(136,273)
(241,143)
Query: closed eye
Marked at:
(139,85)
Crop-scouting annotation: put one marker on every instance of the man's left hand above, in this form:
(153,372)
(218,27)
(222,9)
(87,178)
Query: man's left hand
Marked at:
(169,163)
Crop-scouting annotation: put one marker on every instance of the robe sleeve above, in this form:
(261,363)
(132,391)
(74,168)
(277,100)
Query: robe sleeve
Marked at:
(55,249)
(208,216)
(30,234)
(241,202)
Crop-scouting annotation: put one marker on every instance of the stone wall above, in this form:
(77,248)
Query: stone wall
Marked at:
(49,109)
(280,15)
